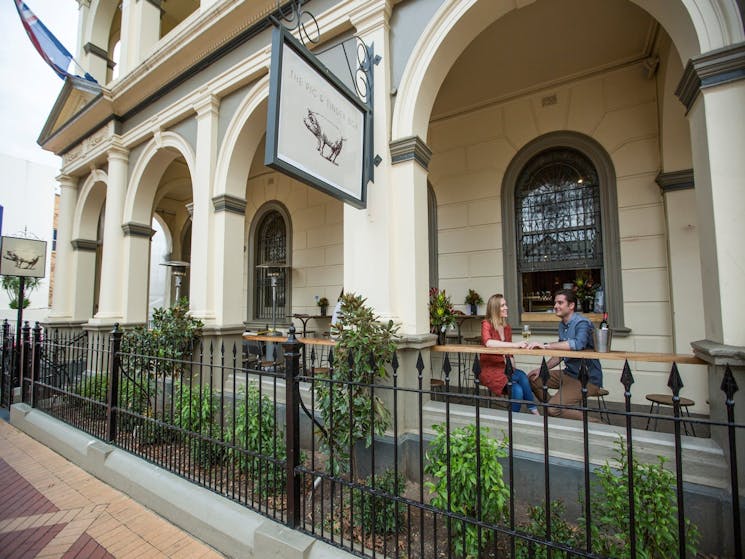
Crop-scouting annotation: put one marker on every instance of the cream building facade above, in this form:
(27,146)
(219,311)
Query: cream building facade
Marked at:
(469,96)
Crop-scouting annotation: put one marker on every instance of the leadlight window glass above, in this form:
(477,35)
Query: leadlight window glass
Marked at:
(558,224)
(271,249)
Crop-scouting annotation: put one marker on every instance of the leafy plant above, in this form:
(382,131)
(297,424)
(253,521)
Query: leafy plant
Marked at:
(195,409)
(451,460)
(349,410)
(561,531)
(256,437)
(11,284)
(323,302)
(584,286)
(165,347)
(441,313)
(379,513)
(473,298)
(655,509)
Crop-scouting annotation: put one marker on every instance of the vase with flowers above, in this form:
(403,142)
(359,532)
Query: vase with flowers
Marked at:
(473,300)
(585,289)
(323,303)
(441,313)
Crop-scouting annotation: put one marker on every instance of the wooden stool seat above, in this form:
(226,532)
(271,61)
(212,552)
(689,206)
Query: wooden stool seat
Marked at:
(667,400)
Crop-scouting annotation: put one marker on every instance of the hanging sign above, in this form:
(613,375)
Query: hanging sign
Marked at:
(22,257)
(318,131)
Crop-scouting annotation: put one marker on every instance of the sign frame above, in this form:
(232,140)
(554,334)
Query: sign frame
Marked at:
(23,257)
(293,146)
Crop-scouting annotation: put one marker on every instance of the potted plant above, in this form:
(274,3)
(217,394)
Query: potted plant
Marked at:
(441,313)
(323,303)
(585,289)
(473,299)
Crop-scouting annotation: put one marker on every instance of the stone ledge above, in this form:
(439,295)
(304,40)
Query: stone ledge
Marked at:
(719,354)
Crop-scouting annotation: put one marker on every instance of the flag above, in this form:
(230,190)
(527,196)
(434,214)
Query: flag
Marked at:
(46,44)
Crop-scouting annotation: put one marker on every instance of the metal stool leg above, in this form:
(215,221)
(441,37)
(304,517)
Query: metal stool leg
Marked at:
(649,419)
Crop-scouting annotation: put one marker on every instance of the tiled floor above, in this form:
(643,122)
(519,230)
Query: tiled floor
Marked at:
(51,508)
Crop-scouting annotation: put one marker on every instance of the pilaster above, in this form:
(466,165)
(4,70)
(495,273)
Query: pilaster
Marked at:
(110,296)
(204,259)
(62,300)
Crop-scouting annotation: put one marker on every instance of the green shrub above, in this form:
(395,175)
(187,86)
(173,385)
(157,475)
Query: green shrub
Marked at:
(349,411)
(164,348)
(196,410)
(462,483)
(561,531)
(256,436)
(655,509)
(132,396)
(380,514)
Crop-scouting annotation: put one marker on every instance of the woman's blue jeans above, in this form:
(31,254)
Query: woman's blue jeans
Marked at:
(521,390)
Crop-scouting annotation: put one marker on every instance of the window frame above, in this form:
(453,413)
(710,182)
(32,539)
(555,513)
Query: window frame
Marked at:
(258,219)
(603,164)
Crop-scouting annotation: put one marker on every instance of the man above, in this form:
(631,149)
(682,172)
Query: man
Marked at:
(575,334)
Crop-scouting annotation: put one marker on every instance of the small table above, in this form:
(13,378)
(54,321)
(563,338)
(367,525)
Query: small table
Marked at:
(667,400)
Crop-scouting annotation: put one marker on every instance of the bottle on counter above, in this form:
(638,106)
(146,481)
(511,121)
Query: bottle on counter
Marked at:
(604,322)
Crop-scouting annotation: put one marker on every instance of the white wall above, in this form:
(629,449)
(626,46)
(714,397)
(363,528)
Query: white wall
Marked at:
(27,196)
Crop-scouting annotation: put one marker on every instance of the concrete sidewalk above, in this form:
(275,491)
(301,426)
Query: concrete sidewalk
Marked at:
(51,508)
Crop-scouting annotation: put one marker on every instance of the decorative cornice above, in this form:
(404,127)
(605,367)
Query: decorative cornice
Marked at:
(675,180)
(410,148)
(717,67)
(84,245)
(95,50)
(228,203)
(132,229)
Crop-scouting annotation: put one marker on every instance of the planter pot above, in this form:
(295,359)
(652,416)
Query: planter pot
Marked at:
(323,311)
(474,310)
(440,338)
(586,305)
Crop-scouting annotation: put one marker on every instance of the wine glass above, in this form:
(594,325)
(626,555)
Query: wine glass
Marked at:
(526,332)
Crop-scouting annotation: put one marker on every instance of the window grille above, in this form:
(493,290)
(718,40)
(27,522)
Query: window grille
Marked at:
(271,248)
(557,201)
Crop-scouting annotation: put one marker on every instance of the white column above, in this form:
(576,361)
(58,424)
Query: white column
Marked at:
(718,136)
(409,248)
(367,233)
(227,251)
(140,31)
(136,256)
(203,263)
(62,296)
(110,296)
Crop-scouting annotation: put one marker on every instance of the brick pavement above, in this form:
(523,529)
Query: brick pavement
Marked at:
(50,508)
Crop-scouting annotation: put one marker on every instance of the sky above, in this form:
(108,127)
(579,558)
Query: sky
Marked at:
(29,87)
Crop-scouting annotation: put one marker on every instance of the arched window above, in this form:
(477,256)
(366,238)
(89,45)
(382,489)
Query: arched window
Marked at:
(561,216)
(270,289)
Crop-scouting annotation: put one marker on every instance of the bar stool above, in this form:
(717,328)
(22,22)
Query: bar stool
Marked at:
(602,406)
(667,400)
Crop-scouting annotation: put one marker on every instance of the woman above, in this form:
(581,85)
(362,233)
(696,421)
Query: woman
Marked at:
(495,332)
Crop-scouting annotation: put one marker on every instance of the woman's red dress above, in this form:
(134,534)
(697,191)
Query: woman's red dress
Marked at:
(492,366)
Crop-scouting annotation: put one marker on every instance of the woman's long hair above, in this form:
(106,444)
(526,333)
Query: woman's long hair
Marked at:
(493,307)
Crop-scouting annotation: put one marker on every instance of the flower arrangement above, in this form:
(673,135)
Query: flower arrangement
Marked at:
(473,298)
(584,287)
(323,302)
(441,313)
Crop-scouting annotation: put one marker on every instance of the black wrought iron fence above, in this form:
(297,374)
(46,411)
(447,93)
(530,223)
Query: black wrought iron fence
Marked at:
(397,469)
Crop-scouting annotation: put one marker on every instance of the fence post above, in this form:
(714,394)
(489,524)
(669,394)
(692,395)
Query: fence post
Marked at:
(292,434)
(36,363)
(112,395)
(6,366)
(25,372)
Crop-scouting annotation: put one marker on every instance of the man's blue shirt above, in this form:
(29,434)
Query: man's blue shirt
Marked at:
(578,332)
